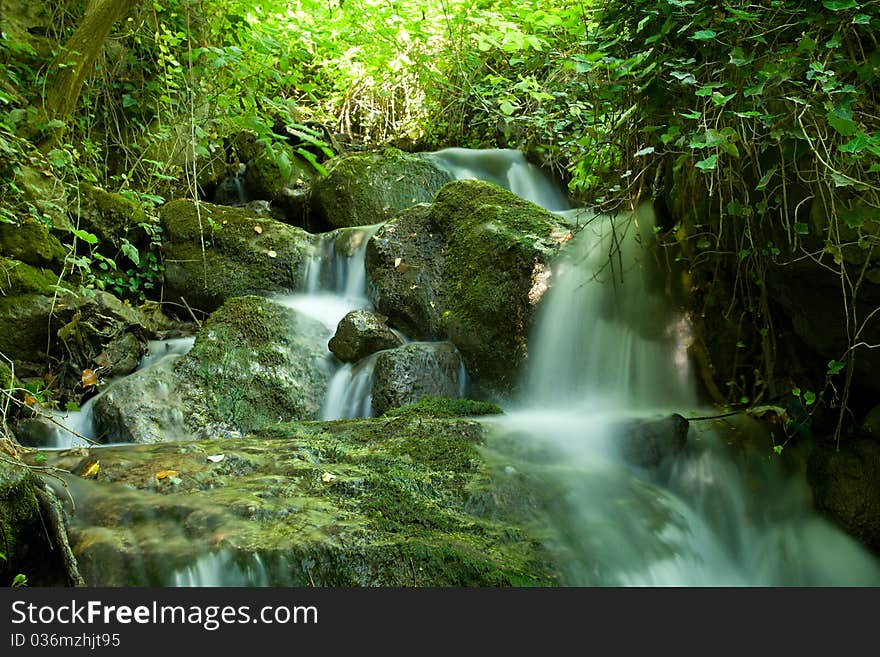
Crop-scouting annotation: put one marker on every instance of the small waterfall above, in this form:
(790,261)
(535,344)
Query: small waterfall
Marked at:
(217,569)
(335,277)
(231,190)
(505,167)
(350,393)
(68,429)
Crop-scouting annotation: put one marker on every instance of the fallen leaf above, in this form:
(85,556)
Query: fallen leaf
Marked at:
(397,262)
(164,474)
(258,230)
(327,477)
(562,236)
(390,229)
(272,254)
(89,378)
(91,470)
(413,234)
(216,458)
(30,400)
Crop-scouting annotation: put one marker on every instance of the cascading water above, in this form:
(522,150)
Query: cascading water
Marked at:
(607,351)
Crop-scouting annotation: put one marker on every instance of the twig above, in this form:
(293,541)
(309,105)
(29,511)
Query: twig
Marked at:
(191,313)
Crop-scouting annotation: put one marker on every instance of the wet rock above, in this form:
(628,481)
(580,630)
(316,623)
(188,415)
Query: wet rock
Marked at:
(846,486)
(24,544)
(361,333)
(409,373)
(871,424)
(361,189)
(345,503)
(649,443)
(111,217)
(245,253)
(469,268)
(255,362)
(146,407)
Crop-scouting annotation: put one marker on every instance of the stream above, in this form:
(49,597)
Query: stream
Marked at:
(608,348)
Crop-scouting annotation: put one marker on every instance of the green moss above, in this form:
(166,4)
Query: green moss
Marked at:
(442,407)
(496,240)
(366,188)
(111,216)
(19,520)
(373,502)
(244,253)
(19,277)
(31,243)
(265,177)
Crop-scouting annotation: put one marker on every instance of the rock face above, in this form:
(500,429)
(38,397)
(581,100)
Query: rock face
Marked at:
(346,503)
(361,333)
(362,189)
(31,243)
(146,407)
(254,363)
(469,268)
(92,328)
(649,443)
(846,487)
(410,373)
(245,253)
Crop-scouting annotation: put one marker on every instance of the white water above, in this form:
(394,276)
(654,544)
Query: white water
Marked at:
(60,430)
(607,347)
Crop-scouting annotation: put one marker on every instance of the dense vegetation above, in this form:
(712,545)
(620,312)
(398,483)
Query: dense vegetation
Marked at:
(753,125)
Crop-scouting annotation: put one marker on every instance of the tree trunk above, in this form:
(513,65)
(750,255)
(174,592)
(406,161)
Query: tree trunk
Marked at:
(77,58)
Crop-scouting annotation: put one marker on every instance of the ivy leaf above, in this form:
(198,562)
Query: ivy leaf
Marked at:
(708,164)
(507,108)
(738,57)
(765,179)
(840,5)
(809,397)
(704,35)
(835,366)
(861,19)
(131,251)
(801,228)
(85,236)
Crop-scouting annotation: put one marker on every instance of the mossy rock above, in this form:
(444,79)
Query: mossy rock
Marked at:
(25,546)
(254,363)
(17,277)
(405,375)
(465,269)
(441,407)
(345,503)
(32,243)
(244,253)
(111,218)
(269,172)
(362,189)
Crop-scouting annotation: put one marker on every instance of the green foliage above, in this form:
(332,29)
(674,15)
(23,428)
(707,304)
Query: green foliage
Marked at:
(442,408)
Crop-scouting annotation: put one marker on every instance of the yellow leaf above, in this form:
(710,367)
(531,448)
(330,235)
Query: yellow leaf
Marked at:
(258,230)
(272,254)
(30,400)
(89,378)
(91,470)
(328,477)
(397,262)
(164,474)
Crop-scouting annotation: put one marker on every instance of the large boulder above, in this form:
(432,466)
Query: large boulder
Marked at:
(255,362)
(244,253)
(363,502)
(410,373)
(846,487)
(32,243)
(361,333)
(649,443)
(361,189)
(469,268)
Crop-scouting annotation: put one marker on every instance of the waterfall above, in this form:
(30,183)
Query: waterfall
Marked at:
(609,350)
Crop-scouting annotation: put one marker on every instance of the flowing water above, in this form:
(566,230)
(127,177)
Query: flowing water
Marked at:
(608,349)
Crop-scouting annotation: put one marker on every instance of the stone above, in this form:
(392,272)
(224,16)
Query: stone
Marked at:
(245,253)
(32,243)
(362,189)
(414,371)
(468,268)
(846,486)
(361,333)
